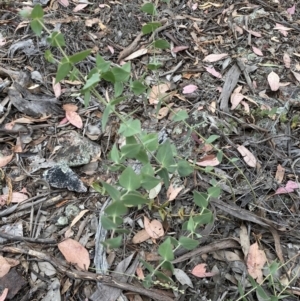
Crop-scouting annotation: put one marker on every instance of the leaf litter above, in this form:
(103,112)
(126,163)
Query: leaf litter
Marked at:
(237,94)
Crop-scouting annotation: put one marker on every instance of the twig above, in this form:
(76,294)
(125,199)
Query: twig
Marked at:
(130,49)
(27,239)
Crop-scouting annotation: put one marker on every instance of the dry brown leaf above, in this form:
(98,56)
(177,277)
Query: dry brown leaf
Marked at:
(56,88)
(255,262)
(70,107)
(75,253)
(209,160)
(140,237)
(215,57)
(248,157)
(140,273)
(136,54)
(279,173)
(159,92)
(74,119)
(154,228)
(273,80)
(78,217)
(244,240)
(200,271)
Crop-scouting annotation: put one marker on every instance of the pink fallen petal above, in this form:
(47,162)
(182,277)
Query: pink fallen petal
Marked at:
(179,48)
(213,72)
(257,51)
(79,7)
(289,187)
(189,89)
(291,10)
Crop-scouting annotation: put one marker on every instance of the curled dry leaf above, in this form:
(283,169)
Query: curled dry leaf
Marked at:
(154,228)
(209,160)
(213,72)
(200,271)
(255,262)
(159,92)
(75,253)
(248,157)
(236,97)
(140,237)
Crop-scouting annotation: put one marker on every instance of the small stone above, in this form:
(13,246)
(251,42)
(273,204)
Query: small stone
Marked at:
(62,176)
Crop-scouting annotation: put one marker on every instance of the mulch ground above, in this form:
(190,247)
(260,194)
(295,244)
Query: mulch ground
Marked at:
(243,58)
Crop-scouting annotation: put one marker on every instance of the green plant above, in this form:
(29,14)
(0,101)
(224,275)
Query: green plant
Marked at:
(156,160)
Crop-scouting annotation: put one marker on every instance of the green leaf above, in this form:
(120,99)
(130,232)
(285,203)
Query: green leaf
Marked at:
(129,179)
(37,26)
(122,231)
(191,225)
(101,64)
(165,156)
(120,74)
(188,243)
(161,44)
(64,68)
(80,56)
(74,75)
(167,265)
(214,192)
(118,88)
(150,141)
(130,150)
(165,250)
(180,115)
(98,188)
(149,182)
(117,100)
(115,155)
(273,268)
(201,199)
(147,281)
(108,109)
(25,13)
(220,156)
(134,198)
(92,81)
(163,278)
(150,27)
(212,138)
(49,56)
(163,173)
(87,98)
(56,39)
(107,223)
(37,12)
(142,156)
(108,76)
(147,169)
(113,243)
(130,127)
(261,293)
(137,87)
(148,266)
(204,218)
(149,8)
(112,191)
(116,209)
(184,168)
(154,66)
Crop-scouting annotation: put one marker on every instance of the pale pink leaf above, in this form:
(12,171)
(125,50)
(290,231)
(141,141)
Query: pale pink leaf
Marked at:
(213,72)
(194,6)
(236,97)
(254,33)
(215,57)
(70,107)
(256,260)
(154,228)
(64,3)
(111,49)
(79,7)
(63,121)
(286,60)
(56,88)
(5,160)
(248,157)
(273,80)
(74,119)
(173,192)
(257,51)
(297,75)
(289,187)
(140,237)
(209,160)
(179,48)
(4,294)
(136,54)
(4,266)
(291,10)
(189,89)
(282,27)
(75,253)
(200,271)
